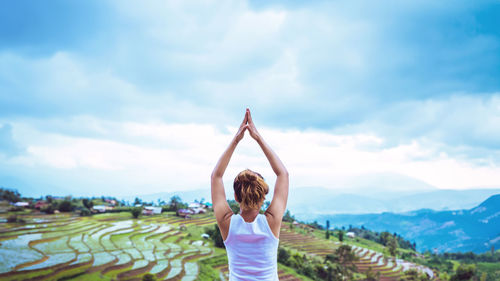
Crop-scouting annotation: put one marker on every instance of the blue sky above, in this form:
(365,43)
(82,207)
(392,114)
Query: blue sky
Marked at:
(120,98)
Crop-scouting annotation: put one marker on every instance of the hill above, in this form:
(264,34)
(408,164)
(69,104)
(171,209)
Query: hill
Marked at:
(475,229)
(308,203)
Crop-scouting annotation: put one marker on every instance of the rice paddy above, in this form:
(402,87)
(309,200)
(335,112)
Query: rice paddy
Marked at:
(103,247)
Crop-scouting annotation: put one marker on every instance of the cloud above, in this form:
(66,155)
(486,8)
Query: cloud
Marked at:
(146,158)
(8,146)
(88,86)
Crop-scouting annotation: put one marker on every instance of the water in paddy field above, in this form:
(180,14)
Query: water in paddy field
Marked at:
(120,249)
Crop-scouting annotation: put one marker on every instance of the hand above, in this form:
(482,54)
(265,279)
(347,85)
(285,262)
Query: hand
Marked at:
(243,127)
(251,127)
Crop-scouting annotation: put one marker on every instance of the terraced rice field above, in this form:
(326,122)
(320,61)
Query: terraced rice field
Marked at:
(107,248)
(51,247)
(389,268)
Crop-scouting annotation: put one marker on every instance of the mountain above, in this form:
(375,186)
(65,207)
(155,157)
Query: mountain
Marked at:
(475,229)
(308,203)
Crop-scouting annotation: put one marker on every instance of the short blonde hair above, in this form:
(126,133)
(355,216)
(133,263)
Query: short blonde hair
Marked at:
(250,189)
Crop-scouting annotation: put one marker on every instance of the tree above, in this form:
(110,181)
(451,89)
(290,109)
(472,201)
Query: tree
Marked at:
(49,209)
(148,277)
(283,256)
(136,212)
(235,207)
(10,195)
(85,212)
(288,217)
(371,275)
(464,272)
(175,203)
(327,234)
(160,202)
(384,237)
(216,236)
(341,235)
(392,245)
(66,206)
(414,275)
(344,257)
(137,201)
(87,203)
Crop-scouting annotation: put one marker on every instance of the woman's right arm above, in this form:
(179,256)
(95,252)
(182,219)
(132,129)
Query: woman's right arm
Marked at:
(277,208)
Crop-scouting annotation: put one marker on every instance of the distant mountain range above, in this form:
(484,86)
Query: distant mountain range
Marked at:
(475,229)
(308,203)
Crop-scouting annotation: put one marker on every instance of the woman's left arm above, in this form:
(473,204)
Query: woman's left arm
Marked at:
(221,207)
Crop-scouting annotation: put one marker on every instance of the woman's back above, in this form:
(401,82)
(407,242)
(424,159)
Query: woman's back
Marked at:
(252,249)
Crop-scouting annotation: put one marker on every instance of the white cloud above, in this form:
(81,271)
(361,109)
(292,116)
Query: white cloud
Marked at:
(182,156)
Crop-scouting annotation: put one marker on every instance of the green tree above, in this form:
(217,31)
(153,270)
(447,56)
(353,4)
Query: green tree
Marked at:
(464,272)
(49,209)
(392,245)
(283,256)
(327,234)
(175,203)
(215,235)
(10,195)
(341,235)
(66,206)
(136,212)
(288,216)
(148,277)
(414,275)
(87,203)
(384,238)
(137,201)
(371,275)
(235,207)
(344,259)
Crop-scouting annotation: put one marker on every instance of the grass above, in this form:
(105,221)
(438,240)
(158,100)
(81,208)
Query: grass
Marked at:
(488,266)
(292,271)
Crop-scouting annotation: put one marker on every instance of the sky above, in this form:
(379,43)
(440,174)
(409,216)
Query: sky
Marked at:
(125,98)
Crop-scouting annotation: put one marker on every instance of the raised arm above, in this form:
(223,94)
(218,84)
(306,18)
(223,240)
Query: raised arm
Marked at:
(276,209)
(221,208)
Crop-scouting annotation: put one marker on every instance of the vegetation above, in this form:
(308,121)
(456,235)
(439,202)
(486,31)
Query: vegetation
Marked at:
(9,195)
(136,212)
(216,236)
(338,265)
(306,250)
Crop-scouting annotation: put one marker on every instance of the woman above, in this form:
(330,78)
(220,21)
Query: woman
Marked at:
(251,238)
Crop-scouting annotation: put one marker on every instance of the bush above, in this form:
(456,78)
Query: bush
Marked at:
(136,212)
(283,256)
(14,218)
(148,277)
(49,209)
(66,206)
(464,272)
(85,212)
(216,236)
(10,195)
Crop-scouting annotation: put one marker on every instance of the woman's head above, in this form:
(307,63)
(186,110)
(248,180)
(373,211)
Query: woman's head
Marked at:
(250,189)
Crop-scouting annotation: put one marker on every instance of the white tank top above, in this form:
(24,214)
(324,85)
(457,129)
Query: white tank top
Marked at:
(252,250)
